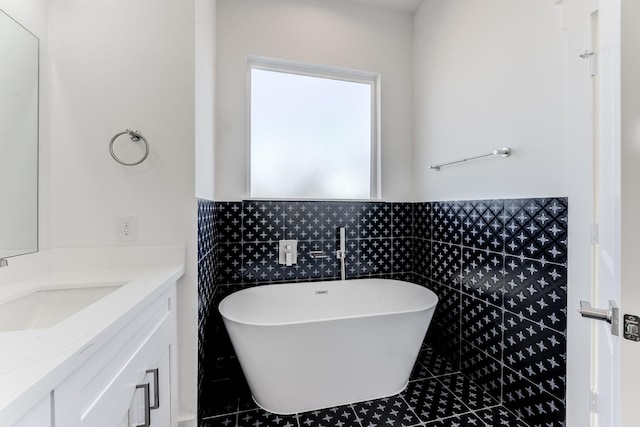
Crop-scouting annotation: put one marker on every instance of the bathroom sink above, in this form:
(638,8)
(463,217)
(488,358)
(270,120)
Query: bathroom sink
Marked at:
(44,308)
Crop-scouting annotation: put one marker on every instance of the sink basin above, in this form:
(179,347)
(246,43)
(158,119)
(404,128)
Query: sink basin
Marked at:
(44,308)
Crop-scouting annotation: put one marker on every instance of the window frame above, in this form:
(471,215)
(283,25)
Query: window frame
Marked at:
(327,72)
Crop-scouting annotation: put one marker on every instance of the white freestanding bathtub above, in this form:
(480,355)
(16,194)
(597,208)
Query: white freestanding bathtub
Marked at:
(306,346)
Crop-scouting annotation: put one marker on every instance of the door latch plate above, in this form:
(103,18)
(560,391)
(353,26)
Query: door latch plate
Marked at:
(631,327)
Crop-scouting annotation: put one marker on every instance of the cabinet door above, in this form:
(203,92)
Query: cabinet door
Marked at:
(39,415)
(104,392)
(157,381)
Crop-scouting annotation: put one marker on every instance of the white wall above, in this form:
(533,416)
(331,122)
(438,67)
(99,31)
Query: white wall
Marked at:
(489,74)
(116,65)
(330,32)
(205,63)
(32,14)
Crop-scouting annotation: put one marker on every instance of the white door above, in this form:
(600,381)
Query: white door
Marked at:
(606,345)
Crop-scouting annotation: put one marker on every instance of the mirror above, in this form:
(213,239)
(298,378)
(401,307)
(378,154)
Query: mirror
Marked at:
(18,139)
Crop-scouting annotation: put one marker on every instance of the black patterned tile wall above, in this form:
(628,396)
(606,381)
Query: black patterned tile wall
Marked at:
(207,267)
(499,268)
(378,237)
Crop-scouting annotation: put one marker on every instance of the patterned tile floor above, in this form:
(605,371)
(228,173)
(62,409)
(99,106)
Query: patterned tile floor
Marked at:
(437,396)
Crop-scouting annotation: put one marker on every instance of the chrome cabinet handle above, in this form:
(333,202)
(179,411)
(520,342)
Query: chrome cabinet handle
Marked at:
(156,393)
(147,407)
(609,315)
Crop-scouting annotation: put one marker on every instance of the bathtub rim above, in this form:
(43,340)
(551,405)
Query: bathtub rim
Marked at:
(327,319)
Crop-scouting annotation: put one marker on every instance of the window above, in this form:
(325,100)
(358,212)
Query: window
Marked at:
(313,132)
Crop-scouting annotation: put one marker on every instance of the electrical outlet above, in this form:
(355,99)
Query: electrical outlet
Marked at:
(127,228)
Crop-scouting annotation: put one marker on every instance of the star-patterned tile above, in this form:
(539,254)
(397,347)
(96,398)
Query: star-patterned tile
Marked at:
(481,275)
(306,268)
(265,419)
(536,353)
(445,340)
(446,223)
(262,221)
(481,224)
(421,257)
(460,385)
(529,402)
(375,220)
(431,400)
(260,263)
(341,416)
(402,254)
(445,263)
(229,269)
(220,421)
(302,221)
(499,416)
(536,291)
(229,221)
(335,215)
(434,364)
(389,411)
(448,309)
(464,420)
(375,256)
(484,370)
(422,220)
(482,325)
(402,219)
(206,227)
(536,228)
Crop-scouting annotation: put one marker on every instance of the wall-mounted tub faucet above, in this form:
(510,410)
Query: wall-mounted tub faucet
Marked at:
(3,262)
(288,252)
(341,254)
(318,255)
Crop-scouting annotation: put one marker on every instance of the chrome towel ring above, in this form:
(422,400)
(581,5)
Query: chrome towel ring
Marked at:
(135,136)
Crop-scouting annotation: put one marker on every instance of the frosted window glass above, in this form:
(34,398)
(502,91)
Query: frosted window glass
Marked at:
(310,137)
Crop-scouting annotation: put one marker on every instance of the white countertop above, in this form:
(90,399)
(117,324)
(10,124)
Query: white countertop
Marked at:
(33,362)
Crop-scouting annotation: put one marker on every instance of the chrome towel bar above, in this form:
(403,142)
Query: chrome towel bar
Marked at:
(504,152)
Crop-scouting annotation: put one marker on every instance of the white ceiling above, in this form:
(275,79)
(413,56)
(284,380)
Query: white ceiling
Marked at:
(403,5)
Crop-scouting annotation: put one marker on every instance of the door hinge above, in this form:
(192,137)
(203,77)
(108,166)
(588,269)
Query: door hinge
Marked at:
(593,402)
(594,233)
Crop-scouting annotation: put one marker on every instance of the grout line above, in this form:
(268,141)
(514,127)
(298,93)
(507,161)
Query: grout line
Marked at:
(356,414)
(420,422)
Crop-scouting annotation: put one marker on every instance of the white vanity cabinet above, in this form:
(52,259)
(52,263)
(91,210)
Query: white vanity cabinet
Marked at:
(127,381)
